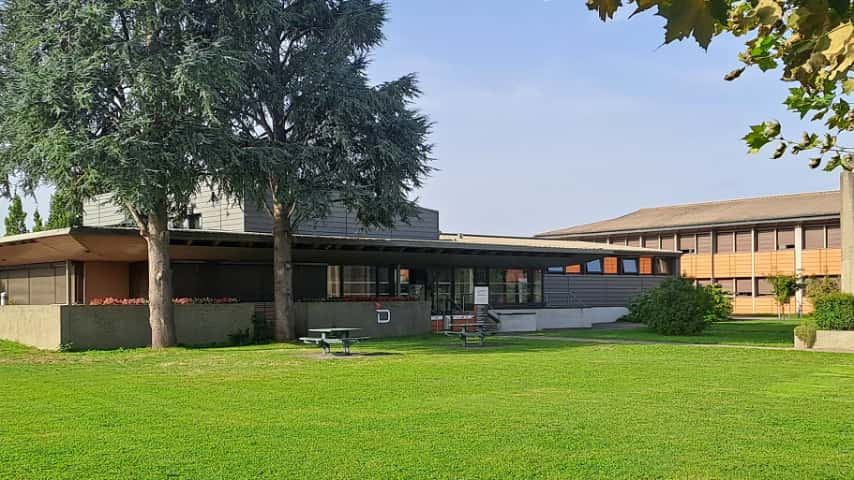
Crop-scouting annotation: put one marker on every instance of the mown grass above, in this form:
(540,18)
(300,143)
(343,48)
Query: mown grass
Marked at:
(426,408)
(769,333)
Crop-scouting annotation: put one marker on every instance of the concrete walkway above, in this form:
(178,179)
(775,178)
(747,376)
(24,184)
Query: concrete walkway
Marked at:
(620,341)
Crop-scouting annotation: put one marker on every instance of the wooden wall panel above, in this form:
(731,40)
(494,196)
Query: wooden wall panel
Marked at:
(742,305)
(724,265)
(834,261)
(772,263)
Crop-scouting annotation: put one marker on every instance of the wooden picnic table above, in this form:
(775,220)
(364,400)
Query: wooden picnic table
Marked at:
(329,336)
(482,330)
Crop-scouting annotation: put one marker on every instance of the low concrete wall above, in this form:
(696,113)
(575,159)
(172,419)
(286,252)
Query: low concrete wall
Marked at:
(407,318)
(841,340)
(39,326)
(85,327)
(528,320)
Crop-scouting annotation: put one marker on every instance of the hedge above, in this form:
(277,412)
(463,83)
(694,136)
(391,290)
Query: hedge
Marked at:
(835,311)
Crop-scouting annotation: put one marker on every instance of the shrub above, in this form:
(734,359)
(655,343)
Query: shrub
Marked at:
(806,331)
(835,311)
(818,287)
(675,307)
(784,288)
(262,329)
(722,303)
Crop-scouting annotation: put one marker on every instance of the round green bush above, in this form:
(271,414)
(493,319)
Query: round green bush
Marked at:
(835,311)
(675,307)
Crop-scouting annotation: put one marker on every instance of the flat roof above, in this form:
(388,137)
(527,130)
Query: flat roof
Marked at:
(125,244)
(777,208)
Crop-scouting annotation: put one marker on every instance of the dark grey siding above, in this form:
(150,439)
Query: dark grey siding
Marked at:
(582,291)
(341,222)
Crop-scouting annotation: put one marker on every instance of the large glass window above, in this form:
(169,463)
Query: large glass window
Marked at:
(593,266)
(333,281)
(442,290)
(358,281)
(630,266)
(404,281)
(509,286)
(385,281)
(464,287)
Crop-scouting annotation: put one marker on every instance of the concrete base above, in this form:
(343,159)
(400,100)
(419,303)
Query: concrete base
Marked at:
(530,320)
(86,327)
(837,340)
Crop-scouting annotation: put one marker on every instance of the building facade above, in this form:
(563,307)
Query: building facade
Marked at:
(737,244)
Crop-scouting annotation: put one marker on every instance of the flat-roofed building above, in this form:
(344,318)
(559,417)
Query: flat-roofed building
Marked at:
(736,243)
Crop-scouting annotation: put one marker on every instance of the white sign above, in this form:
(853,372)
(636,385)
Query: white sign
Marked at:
(481,295)
(383,316)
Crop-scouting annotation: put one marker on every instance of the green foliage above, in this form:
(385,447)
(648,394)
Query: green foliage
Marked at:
(319,132)
(675,307)
(262,330)
(38,226)
(16,218)
(835,311)
(811,43)
(806,331)
(817,287)
(721,301)
(66,209)
(783,288)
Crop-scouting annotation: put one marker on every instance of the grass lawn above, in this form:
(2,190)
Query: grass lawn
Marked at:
(426,408)
(766,332)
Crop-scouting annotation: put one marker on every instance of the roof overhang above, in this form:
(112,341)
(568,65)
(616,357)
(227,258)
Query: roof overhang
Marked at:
(95,244)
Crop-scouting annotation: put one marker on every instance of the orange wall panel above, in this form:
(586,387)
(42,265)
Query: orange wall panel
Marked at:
(742,305)
(834,261)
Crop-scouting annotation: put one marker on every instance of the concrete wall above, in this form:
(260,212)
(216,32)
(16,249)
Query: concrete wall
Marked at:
(836,340)
(530,320)
(407,318)
(38,326)
(85,327)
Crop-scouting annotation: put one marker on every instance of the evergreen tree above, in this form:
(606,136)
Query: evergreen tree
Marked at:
(16,219)
(38,226)
(66,210)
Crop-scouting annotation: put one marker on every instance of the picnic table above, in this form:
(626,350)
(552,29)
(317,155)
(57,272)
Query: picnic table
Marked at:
(335,335)
(481,330)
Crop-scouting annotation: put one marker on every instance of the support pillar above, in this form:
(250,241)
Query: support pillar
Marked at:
(846,187)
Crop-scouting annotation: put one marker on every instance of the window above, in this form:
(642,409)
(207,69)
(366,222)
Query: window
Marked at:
(557,269)
(743,287)
(725,242)
(464,287)
(385,281)
(194,221)
(630,266)
(358,281)
(611,265)
(618,240)
(404,281)
(813,237)
(765,241)
(514,286)
(785,239)
(634,242)
(764,287)
(688,243)
(728,285)
(743,241)
(834,237)
(668,242)
(646,265)
(663,266)
(333,281)
(593,266)
(573,268)
(650,241)
(704,243)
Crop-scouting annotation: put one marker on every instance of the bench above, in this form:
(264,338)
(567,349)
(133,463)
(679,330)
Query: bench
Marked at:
(464,335)
(325,343)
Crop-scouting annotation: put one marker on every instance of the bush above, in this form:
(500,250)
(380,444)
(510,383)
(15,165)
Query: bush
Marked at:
(806,331)
(722,302)
(835,311)
(818,287)
(675,307)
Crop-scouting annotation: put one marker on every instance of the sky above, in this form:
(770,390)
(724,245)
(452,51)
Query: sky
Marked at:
(545,117)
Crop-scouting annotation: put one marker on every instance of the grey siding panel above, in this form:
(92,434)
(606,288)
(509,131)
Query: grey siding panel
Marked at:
(582,291)
(218,213)
(100,211)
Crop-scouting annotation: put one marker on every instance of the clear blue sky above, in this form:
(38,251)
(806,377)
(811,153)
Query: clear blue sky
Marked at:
(545,117)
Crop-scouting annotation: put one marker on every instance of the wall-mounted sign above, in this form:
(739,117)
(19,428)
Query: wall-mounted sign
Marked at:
(383,316)
(481,295)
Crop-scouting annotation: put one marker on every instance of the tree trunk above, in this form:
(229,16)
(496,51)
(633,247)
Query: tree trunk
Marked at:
(160,308)
(282,273)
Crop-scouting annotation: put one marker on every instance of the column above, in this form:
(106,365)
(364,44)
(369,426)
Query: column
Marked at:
(847,220)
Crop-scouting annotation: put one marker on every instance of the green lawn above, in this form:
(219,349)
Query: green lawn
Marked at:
(426,408)
(767,332)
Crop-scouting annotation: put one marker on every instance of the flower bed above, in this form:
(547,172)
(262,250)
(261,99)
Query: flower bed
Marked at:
(176,301)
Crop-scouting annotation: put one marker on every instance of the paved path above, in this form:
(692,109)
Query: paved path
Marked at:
(621,341)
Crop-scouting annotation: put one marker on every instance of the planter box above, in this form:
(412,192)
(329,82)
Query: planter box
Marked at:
(840,340)
(85,327)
